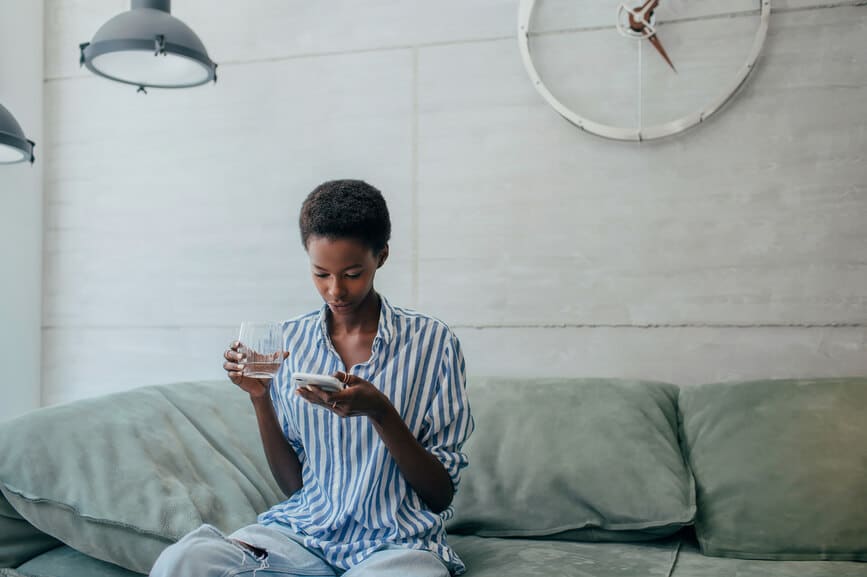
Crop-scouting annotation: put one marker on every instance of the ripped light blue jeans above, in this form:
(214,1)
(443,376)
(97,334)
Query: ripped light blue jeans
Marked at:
(207,552)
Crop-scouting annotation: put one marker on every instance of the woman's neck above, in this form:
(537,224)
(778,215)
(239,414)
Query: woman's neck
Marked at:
(366,319)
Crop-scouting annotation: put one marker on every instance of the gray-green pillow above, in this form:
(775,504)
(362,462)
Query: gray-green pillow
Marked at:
(780,467)
(19,540)
(582,459)
(122,476)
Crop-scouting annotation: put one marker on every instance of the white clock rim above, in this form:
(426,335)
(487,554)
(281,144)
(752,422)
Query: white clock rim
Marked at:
(525,13)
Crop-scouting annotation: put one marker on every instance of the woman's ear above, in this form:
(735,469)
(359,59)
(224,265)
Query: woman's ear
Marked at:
(383,256)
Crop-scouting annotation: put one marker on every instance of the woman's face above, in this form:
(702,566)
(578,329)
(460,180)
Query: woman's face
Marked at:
(343,270)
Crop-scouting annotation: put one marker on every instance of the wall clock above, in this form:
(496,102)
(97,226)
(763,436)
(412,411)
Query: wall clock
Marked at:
(640,69)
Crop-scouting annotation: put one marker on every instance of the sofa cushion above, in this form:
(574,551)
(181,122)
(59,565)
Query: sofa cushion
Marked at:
(583,459)
(493,557)
(122,476)
(67,562)
(780,467)
(691,563)
(19,540)
(511,557)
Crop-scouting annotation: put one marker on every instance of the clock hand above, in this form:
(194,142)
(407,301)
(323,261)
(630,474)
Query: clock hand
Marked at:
(647,8)
(639,19)
(646,11)
(634,24)
(639,22)
(654,39)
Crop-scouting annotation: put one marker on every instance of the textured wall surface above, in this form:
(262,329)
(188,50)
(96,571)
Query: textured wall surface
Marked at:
(21,57)
(734,250)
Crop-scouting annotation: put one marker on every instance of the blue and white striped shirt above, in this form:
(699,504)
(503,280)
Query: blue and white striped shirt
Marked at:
(354,500)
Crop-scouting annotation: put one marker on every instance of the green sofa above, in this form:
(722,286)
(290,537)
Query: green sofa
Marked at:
(567,477)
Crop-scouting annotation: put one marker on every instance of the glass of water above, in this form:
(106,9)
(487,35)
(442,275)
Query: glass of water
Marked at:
(261,348)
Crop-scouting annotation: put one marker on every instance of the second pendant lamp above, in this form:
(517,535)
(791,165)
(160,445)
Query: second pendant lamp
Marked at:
(148,47)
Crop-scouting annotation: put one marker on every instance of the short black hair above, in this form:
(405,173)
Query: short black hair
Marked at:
(346,209)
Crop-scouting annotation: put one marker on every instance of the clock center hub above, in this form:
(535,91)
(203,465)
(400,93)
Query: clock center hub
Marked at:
(637,19)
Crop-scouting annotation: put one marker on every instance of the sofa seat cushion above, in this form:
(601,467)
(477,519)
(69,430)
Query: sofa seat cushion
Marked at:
(514,557)
(691,563)
(67,562)
(493,557)
(582,459)
(120,477)
(780,467)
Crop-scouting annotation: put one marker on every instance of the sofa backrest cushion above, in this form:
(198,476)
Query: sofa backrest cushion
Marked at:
(19,540)
(122,476)
(780,467)
(583,459)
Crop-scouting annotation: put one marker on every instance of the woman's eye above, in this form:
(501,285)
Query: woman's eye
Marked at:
(354,275)
(320,274)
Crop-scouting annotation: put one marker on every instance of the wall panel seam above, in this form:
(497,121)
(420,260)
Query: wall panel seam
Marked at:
(416,217)
(437,44)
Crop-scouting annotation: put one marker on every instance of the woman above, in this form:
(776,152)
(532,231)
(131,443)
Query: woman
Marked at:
(369,471)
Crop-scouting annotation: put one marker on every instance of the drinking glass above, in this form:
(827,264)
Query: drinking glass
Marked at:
(261,348)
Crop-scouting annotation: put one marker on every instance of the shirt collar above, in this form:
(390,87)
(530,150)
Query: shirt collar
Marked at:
(387,322)
(384,332)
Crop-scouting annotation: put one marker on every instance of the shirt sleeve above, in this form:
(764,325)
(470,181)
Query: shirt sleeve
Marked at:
(279,392)
(449,423)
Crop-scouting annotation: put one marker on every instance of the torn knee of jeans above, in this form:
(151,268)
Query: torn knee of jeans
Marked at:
(257,552)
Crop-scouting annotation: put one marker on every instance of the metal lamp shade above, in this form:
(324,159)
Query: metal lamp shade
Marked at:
(148,47)
(14,146)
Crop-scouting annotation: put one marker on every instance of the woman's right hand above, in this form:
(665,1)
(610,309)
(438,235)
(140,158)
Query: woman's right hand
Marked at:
(256,388)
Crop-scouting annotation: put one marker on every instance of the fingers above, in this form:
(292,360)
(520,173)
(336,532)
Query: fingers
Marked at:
(232,366)
(315,395)
(348,379)
(234,369)
(233,352)
(318,394)
(235,358)
(330,401)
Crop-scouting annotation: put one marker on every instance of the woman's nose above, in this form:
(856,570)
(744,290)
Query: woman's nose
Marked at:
(336,290)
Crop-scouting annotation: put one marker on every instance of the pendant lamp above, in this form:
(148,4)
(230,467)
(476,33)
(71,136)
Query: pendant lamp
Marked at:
(14,146)
(148,47)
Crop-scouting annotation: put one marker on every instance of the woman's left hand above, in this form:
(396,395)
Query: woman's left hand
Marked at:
(359,397)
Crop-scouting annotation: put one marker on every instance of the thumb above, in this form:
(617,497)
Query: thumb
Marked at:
(285,355)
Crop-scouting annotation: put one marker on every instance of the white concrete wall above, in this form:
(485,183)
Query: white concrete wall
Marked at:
(735,250)
(21,74)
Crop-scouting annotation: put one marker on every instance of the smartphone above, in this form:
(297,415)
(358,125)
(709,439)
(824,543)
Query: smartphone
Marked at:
(324,382)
